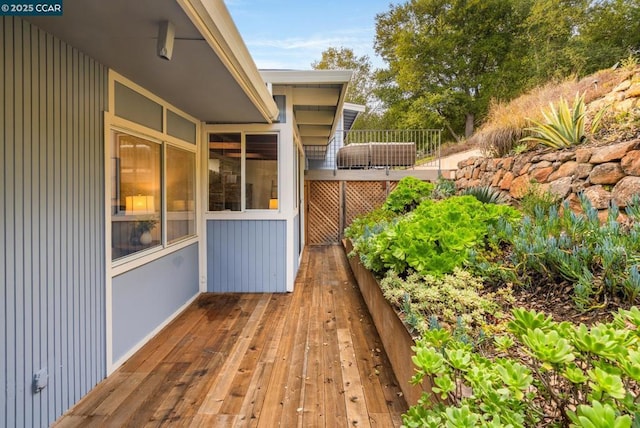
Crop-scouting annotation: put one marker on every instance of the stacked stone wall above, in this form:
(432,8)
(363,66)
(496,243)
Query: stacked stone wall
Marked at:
(603,173)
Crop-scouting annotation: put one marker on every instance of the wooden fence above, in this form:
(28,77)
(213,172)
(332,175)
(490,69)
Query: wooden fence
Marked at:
(332,206)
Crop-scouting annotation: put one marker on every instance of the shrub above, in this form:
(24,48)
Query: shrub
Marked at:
(435,238)
(600,259)
(451,299)
(408,195)
(444,188)
(548,373)
(506,121)
(537,198)
(361,225)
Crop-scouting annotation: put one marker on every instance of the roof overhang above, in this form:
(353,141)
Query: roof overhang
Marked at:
(350,113)
(318,99)
(211,74)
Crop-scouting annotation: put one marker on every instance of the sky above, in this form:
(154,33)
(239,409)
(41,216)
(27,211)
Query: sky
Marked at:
(291,34)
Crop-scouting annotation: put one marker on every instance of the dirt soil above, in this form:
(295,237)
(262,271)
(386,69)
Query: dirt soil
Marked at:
(555,300)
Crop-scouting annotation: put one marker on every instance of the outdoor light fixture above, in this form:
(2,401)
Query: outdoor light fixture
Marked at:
(166,36)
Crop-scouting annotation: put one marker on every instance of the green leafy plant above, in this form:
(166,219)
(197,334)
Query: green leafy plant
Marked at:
(630,62)
(363,224)
(573,376)
(597,415)
(408,194)
(454,298)
(444,188)
(433,239)
(536,198)
(146,225)
(520,148)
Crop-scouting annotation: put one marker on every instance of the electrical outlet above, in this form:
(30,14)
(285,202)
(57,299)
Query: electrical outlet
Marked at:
(40,380)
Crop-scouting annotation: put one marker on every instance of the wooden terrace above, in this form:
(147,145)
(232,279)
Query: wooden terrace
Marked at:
(311,358)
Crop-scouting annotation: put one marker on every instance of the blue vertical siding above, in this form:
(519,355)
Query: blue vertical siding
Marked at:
(52,262)
(246,256)
(146,297)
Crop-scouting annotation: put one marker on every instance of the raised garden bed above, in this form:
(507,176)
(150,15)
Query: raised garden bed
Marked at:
(396,339)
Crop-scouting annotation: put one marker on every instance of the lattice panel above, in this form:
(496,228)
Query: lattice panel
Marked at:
(323,217)
(363,196)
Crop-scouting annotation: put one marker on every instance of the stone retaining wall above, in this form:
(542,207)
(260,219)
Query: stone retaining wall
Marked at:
(604,174)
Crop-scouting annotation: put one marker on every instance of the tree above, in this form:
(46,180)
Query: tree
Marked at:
(610,32)
(361,85)
(545,40)
(446,58)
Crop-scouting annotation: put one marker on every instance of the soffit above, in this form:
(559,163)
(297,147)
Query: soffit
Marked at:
(210,76)
(317,100)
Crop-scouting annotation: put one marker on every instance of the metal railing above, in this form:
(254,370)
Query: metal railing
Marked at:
(378,149)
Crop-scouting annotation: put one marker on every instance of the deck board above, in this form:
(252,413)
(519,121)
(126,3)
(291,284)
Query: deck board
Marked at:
(311,358)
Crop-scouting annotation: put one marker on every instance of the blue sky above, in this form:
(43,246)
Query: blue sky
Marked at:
(290,34)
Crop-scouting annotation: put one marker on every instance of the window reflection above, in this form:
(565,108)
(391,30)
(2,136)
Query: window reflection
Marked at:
(225,172)
(136,196)
(262,171)
(181,190)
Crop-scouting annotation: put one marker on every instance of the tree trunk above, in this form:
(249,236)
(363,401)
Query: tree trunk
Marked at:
(453,133)
(468,127)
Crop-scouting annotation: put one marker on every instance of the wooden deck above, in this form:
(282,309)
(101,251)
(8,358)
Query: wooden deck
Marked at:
(311,358)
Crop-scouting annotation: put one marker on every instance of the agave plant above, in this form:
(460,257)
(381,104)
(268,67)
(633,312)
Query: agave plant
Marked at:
(562,127)
(485,194)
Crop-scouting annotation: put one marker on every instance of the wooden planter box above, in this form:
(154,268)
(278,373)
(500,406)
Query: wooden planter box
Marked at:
(395,338)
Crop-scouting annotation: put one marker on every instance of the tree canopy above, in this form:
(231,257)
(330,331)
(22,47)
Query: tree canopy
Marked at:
(360,90)
(361,87)
(447,59)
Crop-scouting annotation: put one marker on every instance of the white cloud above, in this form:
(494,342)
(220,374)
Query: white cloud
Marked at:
(297,52)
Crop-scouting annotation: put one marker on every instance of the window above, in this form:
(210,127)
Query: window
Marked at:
(153,172)
(230,185)
(137,108)
(136,196)
(262,171)
(225,171)
(137,182)
(181,190)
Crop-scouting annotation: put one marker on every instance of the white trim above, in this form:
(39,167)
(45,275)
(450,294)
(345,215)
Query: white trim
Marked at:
(107,237)
(243,130)
(292,77)
(203,196)
(141,258)
(354,107)
(135,348)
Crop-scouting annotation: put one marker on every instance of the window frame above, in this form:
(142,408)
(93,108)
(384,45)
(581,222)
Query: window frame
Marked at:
(119,124)
(243,171)
(165,200)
